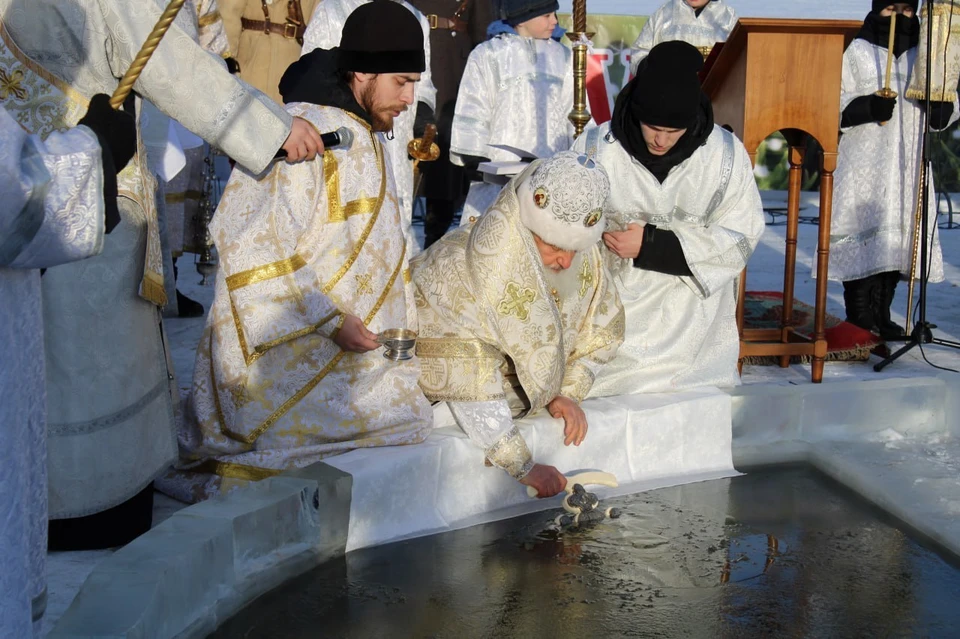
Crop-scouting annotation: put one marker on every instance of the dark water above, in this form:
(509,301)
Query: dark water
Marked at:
(771,554)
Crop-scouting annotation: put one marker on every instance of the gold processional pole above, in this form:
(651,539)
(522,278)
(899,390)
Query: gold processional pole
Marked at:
(579,116)
(136,67)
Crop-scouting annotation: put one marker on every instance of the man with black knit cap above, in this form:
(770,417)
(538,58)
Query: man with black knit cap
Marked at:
(324,31)
(871,233)
(312,267)
(684,215)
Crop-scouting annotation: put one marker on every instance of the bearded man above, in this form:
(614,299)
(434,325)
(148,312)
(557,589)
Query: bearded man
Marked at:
(517,313)
(312,266)
(324,31)
(687,216)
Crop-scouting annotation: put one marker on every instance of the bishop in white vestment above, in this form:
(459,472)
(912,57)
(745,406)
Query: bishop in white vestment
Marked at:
(875,192)
(686,216)
(702,23)
(52,213)
(323,32)
(311,255)
(518,313)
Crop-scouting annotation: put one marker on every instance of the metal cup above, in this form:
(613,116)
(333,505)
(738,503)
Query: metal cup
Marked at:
(399,343)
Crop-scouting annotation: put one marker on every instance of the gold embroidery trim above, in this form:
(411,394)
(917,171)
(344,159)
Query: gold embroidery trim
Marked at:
(290,403)
(362,240)
(152,289)
(207,20)
(177,198)
(336,211)
(266,272)
(439,347)
(235,471)
(258,351)
(64,87)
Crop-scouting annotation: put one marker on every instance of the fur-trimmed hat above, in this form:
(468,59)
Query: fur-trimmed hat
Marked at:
(382,36)
(561,201)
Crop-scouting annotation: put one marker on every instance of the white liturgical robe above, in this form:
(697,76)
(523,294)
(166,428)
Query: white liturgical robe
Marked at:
(323,32)
(52,213)
(513,103)
(110,390)
(875,187)
(301,246)
(681,331)
(676,20)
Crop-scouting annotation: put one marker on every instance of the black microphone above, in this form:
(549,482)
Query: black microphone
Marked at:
(342,138)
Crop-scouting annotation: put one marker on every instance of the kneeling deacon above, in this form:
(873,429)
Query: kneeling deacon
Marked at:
(312,266)
(687,216)
(517,312)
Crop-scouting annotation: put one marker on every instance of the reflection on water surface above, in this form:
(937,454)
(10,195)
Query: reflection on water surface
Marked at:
(778,553)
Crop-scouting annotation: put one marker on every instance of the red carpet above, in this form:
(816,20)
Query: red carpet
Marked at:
(845,341)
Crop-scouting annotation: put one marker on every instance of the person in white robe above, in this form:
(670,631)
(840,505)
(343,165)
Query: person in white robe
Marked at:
(517,313)
(684,215)
(312,267)
(702,23)
(110,390)
(53,212)
(323,31)
(182,184)
(514,99)
(875,192)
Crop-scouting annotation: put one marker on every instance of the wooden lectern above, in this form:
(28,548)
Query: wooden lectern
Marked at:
(784,75)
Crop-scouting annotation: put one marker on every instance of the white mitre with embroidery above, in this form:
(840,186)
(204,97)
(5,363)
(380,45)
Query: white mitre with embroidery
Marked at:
(501,335)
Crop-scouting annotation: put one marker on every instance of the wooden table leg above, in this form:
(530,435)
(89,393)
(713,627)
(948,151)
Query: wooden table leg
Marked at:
(828,164)
(741,299)
(790,262)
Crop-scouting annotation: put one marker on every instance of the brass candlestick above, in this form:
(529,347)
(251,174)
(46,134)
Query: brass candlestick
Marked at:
(579,116)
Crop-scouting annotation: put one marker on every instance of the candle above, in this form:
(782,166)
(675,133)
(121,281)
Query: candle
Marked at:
(893,28)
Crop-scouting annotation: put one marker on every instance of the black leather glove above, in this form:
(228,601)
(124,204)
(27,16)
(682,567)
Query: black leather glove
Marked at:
(422,119)
(868,108)
(232,65)
(470,164)
(117,133)
(940,113)
(116,130)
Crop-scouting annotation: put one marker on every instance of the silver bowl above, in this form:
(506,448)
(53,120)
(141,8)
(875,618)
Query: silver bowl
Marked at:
(398,343)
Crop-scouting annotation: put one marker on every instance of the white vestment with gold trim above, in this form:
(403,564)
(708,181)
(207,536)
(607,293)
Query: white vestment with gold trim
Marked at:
(501,335)
(323,32)
(300,246)
(110,390)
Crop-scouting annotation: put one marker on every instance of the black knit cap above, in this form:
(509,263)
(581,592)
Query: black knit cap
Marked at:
(382,36)
(880,5)
(667,88)
(514,12)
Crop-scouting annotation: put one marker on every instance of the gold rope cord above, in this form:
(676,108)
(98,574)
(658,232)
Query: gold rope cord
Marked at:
(146,51)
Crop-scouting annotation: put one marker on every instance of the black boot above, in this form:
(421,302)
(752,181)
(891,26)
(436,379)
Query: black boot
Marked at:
(437,220)
(186,307)
(882,301)
(857,300)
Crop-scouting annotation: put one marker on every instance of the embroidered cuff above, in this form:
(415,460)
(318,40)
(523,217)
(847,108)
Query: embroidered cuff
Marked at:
(510,453)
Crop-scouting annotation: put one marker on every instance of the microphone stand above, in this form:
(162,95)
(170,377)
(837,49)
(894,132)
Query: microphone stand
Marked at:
(922,332)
